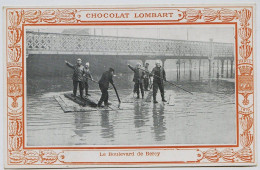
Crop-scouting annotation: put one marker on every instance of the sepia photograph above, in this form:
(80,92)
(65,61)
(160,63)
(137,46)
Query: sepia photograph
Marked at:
(130,85)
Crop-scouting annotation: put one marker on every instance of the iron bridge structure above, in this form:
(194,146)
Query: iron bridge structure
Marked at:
(130,48)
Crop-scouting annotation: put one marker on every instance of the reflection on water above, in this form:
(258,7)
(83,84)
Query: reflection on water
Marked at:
(107,130)
(158,123)
(81,122)
(202,118)
(140,115)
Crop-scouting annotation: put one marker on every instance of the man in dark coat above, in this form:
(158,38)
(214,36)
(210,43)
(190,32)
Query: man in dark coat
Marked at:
(146,77)
(159,76)
(107,77)
(138,79)
(87,76)
(77,76)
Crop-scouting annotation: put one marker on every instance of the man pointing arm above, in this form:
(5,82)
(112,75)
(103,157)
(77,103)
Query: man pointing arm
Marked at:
(77,76)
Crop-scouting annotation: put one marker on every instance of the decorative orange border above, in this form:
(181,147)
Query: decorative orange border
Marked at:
(241,16)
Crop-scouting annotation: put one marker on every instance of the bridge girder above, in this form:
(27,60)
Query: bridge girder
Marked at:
(125,47)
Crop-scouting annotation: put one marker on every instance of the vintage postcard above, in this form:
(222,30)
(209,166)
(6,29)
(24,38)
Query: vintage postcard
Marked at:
(130,86)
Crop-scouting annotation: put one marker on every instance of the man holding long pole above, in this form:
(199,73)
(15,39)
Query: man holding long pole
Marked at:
(107,77)
(159,76)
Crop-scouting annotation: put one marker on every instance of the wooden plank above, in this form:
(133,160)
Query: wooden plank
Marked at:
(69,106)
(114,103)
(62,104)
(87,103)
(80,101)
(75,99)
(95,98)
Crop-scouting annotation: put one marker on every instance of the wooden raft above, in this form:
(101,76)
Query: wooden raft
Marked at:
(80,101)
(69,103)
(76,104)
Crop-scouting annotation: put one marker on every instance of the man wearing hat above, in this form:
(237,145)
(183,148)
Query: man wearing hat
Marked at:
(77,76)
(87,76)
(138,79)
(159,76)
(107,77)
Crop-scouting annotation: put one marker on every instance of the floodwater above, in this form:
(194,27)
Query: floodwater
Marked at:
(202,118)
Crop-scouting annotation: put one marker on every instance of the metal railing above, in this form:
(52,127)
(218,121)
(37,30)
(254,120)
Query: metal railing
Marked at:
(58,43)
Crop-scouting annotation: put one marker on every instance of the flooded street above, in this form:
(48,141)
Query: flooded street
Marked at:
(202,118)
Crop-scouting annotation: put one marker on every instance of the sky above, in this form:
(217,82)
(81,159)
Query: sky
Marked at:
(222,33)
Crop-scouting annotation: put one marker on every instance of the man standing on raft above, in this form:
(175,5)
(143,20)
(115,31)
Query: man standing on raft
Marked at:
(107,77)
(77,77)
(159,76)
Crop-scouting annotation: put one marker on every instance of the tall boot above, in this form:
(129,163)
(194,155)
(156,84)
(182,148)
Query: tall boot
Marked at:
(154,98)
(86,90)
(99,103)
(81,93)
(138,94)
(74,92)
(163,99)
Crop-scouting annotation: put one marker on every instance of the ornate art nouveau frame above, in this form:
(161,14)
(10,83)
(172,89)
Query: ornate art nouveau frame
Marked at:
(18,155)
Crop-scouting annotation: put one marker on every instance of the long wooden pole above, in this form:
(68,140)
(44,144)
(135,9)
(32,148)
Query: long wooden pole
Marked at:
(168,82)
(116,93)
